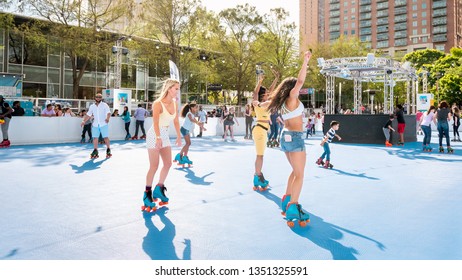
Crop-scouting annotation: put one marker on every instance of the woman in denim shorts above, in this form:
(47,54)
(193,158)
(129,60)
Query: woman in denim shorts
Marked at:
(285,99)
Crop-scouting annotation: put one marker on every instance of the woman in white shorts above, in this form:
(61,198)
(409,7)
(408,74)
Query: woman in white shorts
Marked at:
(158,143)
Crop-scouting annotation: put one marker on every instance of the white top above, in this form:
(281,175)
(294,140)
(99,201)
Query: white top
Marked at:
(202,116)
(427,119)
(99,113)
(287,114)
(188,124)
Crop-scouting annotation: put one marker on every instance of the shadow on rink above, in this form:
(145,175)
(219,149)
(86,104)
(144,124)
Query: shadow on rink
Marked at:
(158,243)
(325,235)
(87,166)
(192,178)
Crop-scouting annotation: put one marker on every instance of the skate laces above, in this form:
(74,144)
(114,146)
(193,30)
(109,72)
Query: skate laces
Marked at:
(162,189)
(148,195)
(262,179)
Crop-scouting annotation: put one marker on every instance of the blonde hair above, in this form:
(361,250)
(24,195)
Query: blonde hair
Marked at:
(168,84)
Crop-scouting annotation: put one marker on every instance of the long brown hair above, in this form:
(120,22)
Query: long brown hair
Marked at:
(281,93)
(431,108)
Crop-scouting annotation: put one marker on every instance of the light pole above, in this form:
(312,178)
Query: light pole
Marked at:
(118,50)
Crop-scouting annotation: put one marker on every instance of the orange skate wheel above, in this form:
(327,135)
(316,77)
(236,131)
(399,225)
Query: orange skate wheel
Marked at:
(302,223)
(255,188)
(143,207)
(283,213)
(290,223)
(147,209)
(163,203)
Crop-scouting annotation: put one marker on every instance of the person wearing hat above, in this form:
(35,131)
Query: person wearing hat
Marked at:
(5,116)
(101,113)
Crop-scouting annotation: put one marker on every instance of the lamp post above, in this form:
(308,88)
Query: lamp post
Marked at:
(118,50)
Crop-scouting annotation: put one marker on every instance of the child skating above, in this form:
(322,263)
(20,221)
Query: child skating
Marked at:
(334,126)
(388,129)
(188,112)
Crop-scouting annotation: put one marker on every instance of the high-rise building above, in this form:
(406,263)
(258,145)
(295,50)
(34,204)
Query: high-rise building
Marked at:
(395,26)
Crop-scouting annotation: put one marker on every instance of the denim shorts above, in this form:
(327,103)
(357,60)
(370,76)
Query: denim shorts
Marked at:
(184,131)
(295,145)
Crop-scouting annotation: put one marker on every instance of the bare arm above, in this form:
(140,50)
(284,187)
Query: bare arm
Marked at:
(276,79)
(301,77)
(257,87)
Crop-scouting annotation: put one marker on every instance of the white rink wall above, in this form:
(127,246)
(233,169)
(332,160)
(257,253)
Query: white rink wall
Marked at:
(46,130)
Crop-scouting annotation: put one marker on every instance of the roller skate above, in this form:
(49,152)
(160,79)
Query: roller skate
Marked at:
(5,144)
(185,160)
(320,162)
(260,183)
(441,149)
(295,212)
(149,204)
(400,143)
(427,148)
(159,193)
(177,158)
(388,144)
(108,153)
(143,136)
(276,143)
(450,150)
(135,137)
(82,141)
(94,154)
(328,165)
(284,202)
(128,137)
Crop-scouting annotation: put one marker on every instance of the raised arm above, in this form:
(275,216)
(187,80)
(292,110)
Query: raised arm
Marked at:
(276,79)
(301,76)
(257,87)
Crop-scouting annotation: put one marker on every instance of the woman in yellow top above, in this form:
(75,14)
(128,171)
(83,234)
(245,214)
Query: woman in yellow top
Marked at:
(164,112)
(260,130)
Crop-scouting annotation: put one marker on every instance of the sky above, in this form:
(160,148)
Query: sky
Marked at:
(263,6)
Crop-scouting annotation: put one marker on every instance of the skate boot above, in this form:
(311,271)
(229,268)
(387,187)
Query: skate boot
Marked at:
(177,158)
(320,161)
(185,160)
(108,153)
(441,149)
(82,141)
(427,148)
(159,193)
(5,144)
(233,140)
(284,202)
(450,150)
(128,137)
(143,136)
(149,204)
(94,154)
(135,138)
(259,183)
(295,212)
(388,144)
(328,165)
(400,143)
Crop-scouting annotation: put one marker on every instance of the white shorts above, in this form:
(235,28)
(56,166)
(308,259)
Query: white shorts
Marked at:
(151,138)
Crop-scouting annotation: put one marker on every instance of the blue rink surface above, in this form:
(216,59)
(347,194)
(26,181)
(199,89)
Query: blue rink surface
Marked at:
(377,203)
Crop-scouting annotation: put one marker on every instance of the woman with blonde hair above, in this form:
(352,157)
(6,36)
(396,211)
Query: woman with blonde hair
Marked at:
(164,112)
(285,99)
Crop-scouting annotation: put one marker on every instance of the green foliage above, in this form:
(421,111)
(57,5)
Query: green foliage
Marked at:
(421,57)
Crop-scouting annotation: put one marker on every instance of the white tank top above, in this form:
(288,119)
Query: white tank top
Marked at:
(188,124)
(165,118)
(286,114)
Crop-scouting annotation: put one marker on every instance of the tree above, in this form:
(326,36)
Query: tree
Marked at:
(421,57)
(238,30)
(170,21)
(77,25)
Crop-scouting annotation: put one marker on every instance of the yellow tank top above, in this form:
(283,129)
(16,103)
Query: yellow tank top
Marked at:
(261,113)
(165,118)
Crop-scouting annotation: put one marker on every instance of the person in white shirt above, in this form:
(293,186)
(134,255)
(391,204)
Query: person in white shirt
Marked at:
(202,117)
(101,115)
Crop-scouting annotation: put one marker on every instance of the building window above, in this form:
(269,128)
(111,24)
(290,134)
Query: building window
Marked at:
(414,15)
(414,31)
(414,7)
(424,30)
(414,23)
(424,5)
(353,24)
(424,14)
(439,47)
(415,40)
(424,39)
(345,4)
(345,32)
(424,22)
(353,32)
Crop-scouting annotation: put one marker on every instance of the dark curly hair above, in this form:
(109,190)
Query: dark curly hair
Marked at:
(281,93)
